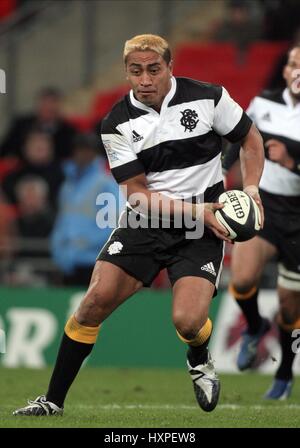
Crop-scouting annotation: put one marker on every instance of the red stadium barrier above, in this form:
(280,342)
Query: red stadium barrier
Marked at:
(222,64)
(7,7)
(102,104)
(105,100)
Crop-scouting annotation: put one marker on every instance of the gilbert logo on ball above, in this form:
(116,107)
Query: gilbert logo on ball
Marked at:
(240,215)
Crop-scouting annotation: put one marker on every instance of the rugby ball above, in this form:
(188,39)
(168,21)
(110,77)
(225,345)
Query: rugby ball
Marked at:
(240,215)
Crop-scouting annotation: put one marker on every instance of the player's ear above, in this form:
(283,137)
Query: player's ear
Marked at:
(171,65)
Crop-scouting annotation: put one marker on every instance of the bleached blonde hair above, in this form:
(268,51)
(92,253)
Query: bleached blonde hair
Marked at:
(144,42)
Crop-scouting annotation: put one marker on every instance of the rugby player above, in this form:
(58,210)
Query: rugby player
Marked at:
(277,116)
(163,140)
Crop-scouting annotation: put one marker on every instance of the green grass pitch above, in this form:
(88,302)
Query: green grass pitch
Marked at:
(147,398)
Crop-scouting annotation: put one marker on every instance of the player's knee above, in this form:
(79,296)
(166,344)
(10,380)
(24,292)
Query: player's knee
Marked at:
(287,313)
(286,317)
(188,326)
(187,333)
(242,287)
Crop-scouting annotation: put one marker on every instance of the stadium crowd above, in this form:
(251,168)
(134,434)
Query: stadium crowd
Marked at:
(51,175)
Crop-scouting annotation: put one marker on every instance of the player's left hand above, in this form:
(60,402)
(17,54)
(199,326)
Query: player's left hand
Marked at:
(253,191)
(278,153)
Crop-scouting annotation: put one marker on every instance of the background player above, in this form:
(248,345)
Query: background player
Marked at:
(277,116)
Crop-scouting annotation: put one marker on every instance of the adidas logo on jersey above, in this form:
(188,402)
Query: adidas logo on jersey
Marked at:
(209,267)
(266,116)
(136,137)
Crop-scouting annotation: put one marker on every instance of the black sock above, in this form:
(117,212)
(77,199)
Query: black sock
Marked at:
(284,371)
(69,359)
(198,355)
(249,308)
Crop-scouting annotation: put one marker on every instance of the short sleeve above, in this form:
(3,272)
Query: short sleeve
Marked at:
(230,121)
(123,161)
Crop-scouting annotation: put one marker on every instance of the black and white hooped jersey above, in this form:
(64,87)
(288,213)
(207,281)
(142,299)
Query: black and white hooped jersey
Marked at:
(178,149)
(278,118)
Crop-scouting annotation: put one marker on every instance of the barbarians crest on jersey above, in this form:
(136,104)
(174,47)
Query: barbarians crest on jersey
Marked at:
(115,248)
(189,119)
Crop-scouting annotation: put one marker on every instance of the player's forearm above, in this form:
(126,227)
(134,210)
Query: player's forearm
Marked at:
(162,206)
(157,204)
(252,158)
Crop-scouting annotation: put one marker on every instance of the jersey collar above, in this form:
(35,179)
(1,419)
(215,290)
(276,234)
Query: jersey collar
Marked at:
(165,103)
(288,100)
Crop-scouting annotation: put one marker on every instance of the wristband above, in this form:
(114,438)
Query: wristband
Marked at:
(251,190)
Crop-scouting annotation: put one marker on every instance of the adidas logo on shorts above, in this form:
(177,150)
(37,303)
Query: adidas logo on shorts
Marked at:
(209,267)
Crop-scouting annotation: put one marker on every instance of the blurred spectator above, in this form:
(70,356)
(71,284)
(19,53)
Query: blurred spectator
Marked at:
(76,238)
(48,118)
(36,218)
(30,261)
(241,25)
(38,156)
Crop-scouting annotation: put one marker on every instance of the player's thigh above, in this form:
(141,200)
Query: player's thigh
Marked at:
(248,260)
(110,286)
(191,300)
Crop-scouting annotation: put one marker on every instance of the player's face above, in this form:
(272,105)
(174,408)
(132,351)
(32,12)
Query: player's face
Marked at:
(149,77)
(291,73)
